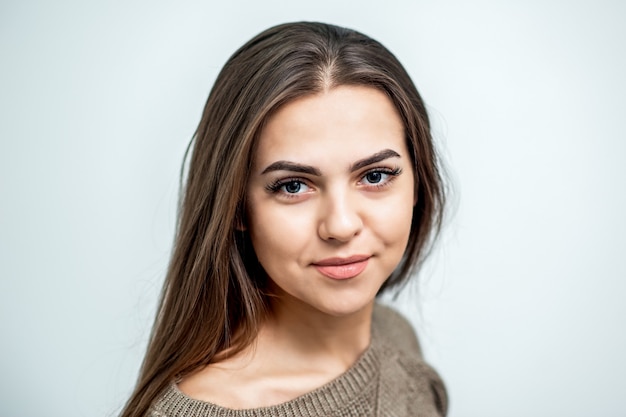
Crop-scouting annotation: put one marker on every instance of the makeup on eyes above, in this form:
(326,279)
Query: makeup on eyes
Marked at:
(391,173)
(275,186)
(292,186)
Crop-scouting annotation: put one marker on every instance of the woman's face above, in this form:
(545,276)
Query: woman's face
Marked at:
(330,199)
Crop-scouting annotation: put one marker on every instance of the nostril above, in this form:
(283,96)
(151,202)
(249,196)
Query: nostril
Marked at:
(340,225)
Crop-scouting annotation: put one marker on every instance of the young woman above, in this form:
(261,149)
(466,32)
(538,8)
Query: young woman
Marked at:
(313,186)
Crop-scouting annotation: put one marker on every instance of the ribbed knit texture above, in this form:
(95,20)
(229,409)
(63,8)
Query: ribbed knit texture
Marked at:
(389,379)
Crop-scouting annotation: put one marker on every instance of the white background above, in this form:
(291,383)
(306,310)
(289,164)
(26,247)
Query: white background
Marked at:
(521,309)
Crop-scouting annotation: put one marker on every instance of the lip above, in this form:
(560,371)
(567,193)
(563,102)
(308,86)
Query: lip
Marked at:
(342,268)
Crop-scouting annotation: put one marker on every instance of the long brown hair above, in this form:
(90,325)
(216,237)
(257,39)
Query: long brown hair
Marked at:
(214,296)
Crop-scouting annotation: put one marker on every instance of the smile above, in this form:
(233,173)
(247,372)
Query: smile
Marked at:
(342,268)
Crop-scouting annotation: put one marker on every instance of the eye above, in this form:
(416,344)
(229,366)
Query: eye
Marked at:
(380,177)
(289,187)
(292,187)
(375,177)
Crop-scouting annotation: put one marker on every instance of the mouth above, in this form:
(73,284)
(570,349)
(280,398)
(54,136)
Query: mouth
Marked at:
(342,268)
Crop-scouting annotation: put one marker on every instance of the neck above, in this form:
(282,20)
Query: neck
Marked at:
(312,334)
(297,350)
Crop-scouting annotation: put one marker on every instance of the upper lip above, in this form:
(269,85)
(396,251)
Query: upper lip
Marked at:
(336,261)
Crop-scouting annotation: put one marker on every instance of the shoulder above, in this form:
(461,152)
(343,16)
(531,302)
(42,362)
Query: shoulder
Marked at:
(404,373)
(389,325)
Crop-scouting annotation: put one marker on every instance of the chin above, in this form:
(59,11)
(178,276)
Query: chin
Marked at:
(345,308)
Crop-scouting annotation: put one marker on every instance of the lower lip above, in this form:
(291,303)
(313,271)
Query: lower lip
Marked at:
(346,271)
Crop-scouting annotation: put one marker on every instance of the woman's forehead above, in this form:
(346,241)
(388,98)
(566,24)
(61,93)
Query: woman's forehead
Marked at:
(344,123)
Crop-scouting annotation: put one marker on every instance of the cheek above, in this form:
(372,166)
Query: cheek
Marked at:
(397,228)
(393,219)
(277,235)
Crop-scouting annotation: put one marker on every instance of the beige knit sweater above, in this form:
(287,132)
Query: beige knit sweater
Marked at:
(389,379)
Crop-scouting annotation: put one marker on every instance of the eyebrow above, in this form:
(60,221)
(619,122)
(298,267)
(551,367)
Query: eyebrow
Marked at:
(377,157)
(308,169)
(292,166)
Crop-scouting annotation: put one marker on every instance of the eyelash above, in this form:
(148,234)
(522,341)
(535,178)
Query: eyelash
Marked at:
(275,187)
(392,173)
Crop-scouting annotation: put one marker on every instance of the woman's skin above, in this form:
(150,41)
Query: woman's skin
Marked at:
(329,208)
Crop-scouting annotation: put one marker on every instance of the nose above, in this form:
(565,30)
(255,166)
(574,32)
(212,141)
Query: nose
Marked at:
(340,218)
